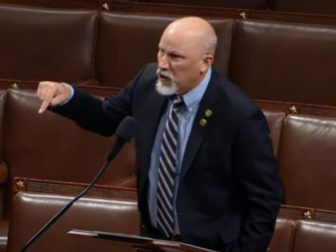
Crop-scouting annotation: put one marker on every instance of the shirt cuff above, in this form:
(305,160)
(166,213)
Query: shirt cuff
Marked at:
(72,92)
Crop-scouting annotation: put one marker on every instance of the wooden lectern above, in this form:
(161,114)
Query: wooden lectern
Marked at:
(139,243)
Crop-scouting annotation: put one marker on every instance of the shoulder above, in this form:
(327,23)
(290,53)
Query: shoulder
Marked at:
(232,96)
(145,78)
(148,71)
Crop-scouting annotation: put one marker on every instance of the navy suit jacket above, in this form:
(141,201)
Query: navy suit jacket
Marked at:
(229,192)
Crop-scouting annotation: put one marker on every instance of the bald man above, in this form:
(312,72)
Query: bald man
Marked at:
(206,171)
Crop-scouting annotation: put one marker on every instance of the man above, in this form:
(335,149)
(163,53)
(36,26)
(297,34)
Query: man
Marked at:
(206,170)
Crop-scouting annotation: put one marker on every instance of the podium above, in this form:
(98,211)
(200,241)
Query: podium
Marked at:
(139,243)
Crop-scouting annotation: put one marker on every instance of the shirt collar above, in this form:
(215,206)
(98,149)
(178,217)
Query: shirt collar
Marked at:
(194,96)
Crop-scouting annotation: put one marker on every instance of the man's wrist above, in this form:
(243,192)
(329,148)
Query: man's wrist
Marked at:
(72,92)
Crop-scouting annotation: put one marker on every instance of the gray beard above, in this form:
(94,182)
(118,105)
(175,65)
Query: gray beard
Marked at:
(166,89)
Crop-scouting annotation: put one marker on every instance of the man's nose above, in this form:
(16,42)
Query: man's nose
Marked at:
(162,62)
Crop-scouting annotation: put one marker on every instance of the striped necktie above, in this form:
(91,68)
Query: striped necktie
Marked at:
(167,170)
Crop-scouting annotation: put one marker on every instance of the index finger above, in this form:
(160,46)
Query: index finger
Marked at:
(45,104)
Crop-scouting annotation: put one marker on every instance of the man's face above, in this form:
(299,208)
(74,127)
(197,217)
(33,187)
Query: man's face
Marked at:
(181,63)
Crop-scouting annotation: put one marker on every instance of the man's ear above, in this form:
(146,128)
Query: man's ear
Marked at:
(206,62)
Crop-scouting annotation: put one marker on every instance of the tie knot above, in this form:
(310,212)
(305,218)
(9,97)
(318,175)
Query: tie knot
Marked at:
(177,101)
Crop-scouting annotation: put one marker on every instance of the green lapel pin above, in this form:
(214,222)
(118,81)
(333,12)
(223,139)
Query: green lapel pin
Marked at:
(208,113)
(203,122)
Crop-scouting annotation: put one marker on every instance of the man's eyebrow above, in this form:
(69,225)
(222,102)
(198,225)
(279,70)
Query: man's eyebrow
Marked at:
(175,52)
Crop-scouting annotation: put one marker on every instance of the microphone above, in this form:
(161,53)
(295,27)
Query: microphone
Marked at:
(124,133)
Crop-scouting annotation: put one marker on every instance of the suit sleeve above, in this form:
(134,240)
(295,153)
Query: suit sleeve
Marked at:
(102,115)
(257,176)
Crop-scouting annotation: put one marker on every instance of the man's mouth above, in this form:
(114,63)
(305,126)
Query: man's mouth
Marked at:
(164,77)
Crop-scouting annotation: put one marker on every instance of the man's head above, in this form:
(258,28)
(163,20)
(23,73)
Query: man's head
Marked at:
(186,51)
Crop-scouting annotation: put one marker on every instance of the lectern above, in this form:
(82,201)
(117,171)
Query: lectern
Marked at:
(139,243)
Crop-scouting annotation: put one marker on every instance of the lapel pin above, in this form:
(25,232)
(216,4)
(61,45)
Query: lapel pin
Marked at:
(208,113)
(203,122)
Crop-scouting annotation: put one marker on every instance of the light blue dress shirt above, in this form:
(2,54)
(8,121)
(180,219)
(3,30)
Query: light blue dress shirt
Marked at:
(188,113)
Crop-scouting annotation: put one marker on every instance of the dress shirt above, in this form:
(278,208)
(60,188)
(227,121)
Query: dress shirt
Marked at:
(186,119)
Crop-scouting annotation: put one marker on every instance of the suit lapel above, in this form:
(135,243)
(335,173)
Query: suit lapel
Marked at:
(199,129)
(152,110)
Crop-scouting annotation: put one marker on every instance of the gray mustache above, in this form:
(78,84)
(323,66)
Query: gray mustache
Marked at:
(164,73)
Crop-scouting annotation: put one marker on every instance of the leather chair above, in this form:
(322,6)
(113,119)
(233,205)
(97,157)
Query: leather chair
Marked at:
(283,237)
(113,209)
(313,236)
(307,162)
(300,229)
(128,41)
(47,44)
(48,146)
(284,61)
(275,121)
(51,147)
(105,208)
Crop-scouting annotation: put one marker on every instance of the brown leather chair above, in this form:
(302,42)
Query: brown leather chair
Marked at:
(303,137)
(105,209)
(284,61)
(126,42)
(51,147)
(275,113)
(275,121)
(113,209)
(47,44)
(283,237)
(314,236)
(48,146)
(307,161)
(300,229)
